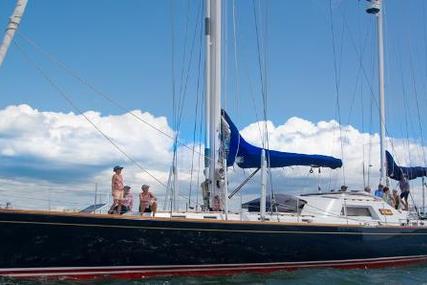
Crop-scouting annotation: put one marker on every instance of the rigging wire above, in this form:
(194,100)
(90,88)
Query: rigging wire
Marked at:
(197,31)
(200,69)
(360,50)
(261,66)
(199,165)
(266,49)
(110,99)
(237,69)
(374,101)
(252,96)
(406,100)
(360,54)
(372,98)
(65,96)
(189,65)
(405,106)
(180,96)
(424,33)
(173,78)
(79,111)
(41,199)
(171,179)
(184,56)
(262,40)
(337,85)
(236,62)
(261,75)
(417,104)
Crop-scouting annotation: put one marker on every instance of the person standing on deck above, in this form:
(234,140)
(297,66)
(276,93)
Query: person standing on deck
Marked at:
(117,189)
(404,191)
(396,199)
(387,196)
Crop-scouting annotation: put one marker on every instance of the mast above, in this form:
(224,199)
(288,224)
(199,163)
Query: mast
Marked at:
(14,21)
(375,8)
(262,202)
(207,93)
(214,168)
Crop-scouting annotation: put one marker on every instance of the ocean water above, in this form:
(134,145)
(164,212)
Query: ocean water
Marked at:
(401,275)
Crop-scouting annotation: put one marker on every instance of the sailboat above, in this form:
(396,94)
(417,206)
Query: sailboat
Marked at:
(333,229)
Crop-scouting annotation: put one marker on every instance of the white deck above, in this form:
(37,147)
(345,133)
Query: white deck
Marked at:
(325,208)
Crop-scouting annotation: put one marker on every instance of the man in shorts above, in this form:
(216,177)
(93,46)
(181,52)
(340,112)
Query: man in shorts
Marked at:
(117,189)
(404,191)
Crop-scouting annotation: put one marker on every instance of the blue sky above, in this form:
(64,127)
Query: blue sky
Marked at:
(124,48)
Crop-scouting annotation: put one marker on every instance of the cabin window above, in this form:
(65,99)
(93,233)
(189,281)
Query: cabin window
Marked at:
(210,217)
(353,211)
(179,216)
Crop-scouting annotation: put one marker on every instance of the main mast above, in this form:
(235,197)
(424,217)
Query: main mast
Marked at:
(375,8)
(214,168)
(14,21)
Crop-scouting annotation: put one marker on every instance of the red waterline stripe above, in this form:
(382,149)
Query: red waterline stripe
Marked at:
(136,272)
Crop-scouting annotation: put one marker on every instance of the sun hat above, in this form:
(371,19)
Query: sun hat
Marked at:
(117,167)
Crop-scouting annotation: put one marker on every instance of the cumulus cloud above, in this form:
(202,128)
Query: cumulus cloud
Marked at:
(326,137)
(69,138)
(64,155)
(65,150)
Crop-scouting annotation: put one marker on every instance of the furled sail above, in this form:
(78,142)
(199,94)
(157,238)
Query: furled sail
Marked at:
(249,156)
(396,172)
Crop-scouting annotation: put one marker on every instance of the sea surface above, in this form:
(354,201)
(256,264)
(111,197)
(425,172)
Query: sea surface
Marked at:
(401,275)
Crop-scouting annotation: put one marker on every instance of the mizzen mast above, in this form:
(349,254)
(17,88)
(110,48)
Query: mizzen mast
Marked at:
(375,8)
(12,26)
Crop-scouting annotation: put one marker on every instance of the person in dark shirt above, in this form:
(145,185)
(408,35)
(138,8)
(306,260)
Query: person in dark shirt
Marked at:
(404,191)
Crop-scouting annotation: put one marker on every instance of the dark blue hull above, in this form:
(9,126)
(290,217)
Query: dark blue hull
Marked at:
(45,242)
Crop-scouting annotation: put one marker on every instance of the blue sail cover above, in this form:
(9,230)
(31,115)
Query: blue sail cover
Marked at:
(249,156)
(396,172)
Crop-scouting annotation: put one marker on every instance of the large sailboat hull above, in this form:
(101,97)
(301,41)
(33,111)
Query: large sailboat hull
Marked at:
(77,246)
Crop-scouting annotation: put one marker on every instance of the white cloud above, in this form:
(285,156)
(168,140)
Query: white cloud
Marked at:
(69,138)
(66,140)
(302,136)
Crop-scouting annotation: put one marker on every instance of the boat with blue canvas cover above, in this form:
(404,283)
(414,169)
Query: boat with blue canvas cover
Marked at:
(331,229)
